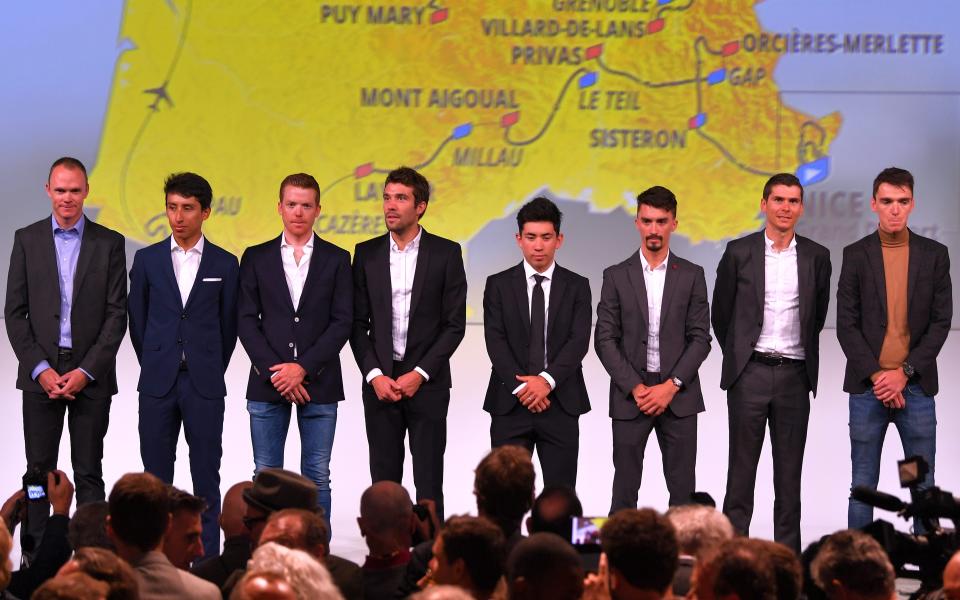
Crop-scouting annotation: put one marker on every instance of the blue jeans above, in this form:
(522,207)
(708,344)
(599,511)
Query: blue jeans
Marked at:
(269,422)
(869,418)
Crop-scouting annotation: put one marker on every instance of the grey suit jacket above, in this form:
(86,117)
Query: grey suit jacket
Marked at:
(160,580)
(623,324)
(98,315)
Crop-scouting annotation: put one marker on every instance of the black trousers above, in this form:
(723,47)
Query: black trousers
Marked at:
(554,433)
(87,421)
(677,437)
(425,417)
(780,396)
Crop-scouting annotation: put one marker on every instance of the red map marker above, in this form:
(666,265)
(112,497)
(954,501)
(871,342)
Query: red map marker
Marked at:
(655,25)
(594,51)
(363,170)
(509,119)
(730,48)
(439,16)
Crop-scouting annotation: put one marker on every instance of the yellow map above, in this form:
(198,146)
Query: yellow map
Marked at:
(494,101)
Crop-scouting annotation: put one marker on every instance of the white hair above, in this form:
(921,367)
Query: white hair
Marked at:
(699,528)
(303,572)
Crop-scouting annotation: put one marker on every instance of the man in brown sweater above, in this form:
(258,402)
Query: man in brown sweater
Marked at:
(894,306)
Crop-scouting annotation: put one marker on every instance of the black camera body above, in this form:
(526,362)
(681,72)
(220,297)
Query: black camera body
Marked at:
(35,485)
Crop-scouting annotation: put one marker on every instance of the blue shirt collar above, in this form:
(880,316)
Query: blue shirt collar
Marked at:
(78,226)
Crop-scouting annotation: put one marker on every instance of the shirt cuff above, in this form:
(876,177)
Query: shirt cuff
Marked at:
(422,372)
(40,368)
(89,376)
(374,373)
(545,375)
(518,388)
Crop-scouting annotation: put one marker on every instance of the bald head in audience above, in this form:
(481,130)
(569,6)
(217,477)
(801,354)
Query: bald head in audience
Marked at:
(386,518)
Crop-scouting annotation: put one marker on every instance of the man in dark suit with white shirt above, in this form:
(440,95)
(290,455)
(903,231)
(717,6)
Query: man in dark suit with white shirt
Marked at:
(295,312)
(652,334)
(183,325)
(410,314)
(66,315)
(769,306)
(536,322)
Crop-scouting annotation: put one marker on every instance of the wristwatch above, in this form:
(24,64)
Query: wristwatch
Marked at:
(676,381)
(908,370)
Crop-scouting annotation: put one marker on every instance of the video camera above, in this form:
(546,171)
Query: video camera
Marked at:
(929,549)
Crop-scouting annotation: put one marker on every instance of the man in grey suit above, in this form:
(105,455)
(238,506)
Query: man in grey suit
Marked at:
(769,306)
(66,315)
(653,377)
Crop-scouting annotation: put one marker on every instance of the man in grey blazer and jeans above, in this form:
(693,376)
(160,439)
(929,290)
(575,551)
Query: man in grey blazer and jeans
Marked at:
(653,377)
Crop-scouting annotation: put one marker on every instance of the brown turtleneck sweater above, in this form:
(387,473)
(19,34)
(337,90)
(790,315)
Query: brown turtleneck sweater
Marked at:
(896,256)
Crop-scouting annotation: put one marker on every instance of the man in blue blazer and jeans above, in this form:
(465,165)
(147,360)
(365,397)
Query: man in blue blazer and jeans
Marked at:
(183,325)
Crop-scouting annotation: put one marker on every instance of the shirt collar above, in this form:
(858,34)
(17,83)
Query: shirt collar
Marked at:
(78,226)
(413,245)
(198,247)
(646,265)
(769,243)
(530,271)
(285,244)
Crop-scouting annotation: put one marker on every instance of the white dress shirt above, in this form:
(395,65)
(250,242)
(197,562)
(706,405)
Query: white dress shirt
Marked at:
(295,273)
(654,280)
(532,283)
(780,333)
(186,263)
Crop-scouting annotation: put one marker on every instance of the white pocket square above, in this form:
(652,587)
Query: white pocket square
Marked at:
(213,279)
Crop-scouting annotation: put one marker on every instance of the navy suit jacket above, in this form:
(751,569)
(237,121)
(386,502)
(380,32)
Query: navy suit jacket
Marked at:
(271,327)
(162,329)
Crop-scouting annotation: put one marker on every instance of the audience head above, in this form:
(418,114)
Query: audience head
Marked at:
(306,575)
(139,513)
(552,511)
(75,586)
(6,567)
(298,529)
(951,578)
(468,553)
(787,571)
(182,544)
(544,567)
(641,550)
(88,527)
(273,490)
(263,585)
(103,565)
(233,509)
(851,564)
(699,528)
(738,570)
(504,486)
(386,518)
(442,592)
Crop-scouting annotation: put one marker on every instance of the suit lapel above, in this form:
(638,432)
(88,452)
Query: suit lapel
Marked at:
(47,251)
(422,273)
(202,272)
(380,281)
(758,256)
(518,282)
(278,275)
(875,258)
(166,268)
(558,288)
(87,250)
(316,263)
(805,285)
(670,282)
(915,261)
(635,273)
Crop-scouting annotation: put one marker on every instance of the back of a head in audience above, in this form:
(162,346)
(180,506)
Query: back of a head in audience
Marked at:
(273,490)
(75,586)
(386,518)
(232,511)
(700,528)
(469,553)
(442,592)
(641,550)
(298,529)
(544,567)
(851,564)
(552,511)
(103,565)
(740,569)
(263,585)
(139,514)
(88,527)
(305,574)
(504,487)
(182,544)
(951,578)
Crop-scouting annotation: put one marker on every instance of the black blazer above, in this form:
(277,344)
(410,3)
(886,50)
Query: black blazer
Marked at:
(162,329)
(862,309)
(623,323)
(738,294)
(270,326)
(438,308)
(506,329)
(98,317)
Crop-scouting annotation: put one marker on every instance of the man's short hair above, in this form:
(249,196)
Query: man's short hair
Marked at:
(88,527)
(181,501)
(658,197)
(189,185)
(504,484)
(895,176)
(787,570)
(740,567)
(480,544)
(544,559)
(308,576)
(104,565)
(303,181)
(313,528)
(857,562)
(413,180)
(699,528)
(386,506)
(539,210)
(642,546)
(75,586)
(68,162)
(139,510)
(553,509)
(787,179)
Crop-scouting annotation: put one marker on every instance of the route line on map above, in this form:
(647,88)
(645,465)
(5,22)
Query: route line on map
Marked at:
(553,113)
(667,7)
(639,81)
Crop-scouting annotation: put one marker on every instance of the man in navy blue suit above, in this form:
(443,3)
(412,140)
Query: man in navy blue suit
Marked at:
(183,325)
(295,314)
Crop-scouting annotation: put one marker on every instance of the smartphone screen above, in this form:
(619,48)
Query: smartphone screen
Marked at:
(585,532)
(35,492)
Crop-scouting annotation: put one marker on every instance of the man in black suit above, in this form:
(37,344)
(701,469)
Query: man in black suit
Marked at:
(653,332)
(410,313)
(65,332)
(769,306)
(295,310)
(894,307)
(183,325)
(536,322)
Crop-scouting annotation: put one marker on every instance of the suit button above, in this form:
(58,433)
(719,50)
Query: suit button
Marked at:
(290,345)
(179,340)
(296,319)
(753,344)
(183,315)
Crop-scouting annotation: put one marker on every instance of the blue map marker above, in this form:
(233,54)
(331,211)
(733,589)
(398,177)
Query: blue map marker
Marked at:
(462,131)
(662,2)
(717,76)
(587,79)
(814,171)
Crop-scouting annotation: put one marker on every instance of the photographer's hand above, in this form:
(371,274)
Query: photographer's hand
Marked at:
(60,493)
(11,509)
